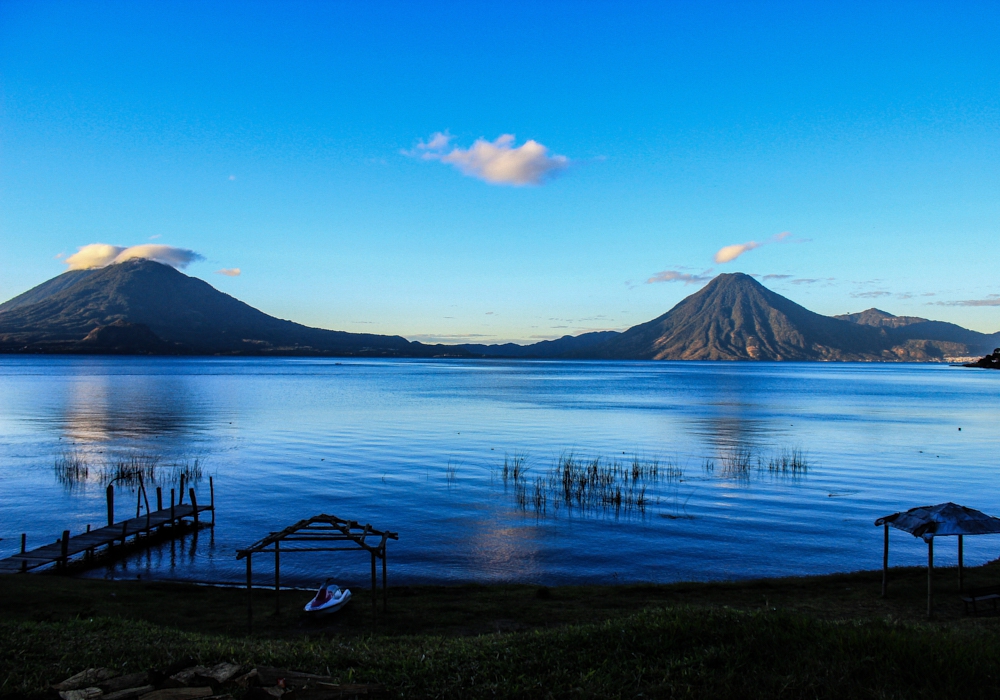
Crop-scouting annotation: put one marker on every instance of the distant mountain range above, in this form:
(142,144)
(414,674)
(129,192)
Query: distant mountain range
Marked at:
(144,307)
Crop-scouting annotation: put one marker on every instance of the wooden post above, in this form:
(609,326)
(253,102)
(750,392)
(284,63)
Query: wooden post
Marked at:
(211,498)
(124,532)
(194,507)
(90,552)
(24,550)
(277,576)
(249,594)
(374,593)
(159,498)
(385,595)
(930,577)
(65,548)
(885,561)
(111,504)
(171,507)
(181,500)
(961,567)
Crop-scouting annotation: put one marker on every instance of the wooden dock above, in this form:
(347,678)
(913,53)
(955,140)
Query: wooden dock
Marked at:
(115,533)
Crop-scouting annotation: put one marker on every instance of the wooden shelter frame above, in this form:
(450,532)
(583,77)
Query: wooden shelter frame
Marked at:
(330,534)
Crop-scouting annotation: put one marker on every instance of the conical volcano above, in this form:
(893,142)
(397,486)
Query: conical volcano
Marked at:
(186,313)
(736,318)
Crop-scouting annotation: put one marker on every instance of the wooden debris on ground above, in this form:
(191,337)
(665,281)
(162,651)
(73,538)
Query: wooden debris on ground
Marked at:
(180,680)
(185,679)
(265,682)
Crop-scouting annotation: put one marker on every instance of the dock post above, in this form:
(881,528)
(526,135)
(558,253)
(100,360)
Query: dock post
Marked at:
(385,594)
(171,507)
(124,532)
(90,552)
(111,504)
(277,576)
(65,548)
(249,593)
(180,500)
(211,497)
(194,507)
(24,549)
(159,498)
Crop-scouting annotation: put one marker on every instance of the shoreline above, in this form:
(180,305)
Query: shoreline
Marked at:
(795,633)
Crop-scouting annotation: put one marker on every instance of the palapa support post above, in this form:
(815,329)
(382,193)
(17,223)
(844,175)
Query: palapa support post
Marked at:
(930,577)
(961,566)
(374,593)
(277,577)
(194,507)
(385,594)
(885,561)
(211,498)
(111,504)
(249,594)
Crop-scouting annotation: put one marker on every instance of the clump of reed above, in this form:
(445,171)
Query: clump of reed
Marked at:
(787,462)
(588,484)
(736,462)
(132,469)
(71,469)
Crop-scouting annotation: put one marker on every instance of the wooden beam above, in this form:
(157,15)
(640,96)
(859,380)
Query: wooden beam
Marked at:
(277,579)
(930,577)
(885,561)
(961,571)
(249,594)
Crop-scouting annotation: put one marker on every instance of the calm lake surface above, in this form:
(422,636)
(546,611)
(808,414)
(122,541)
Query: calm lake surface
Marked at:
(418,447)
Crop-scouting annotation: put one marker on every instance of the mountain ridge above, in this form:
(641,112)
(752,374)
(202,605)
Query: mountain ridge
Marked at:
(144,307)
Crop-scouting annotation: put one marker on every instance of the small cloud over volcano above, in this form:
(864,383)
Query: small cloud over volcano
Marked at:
(98,255)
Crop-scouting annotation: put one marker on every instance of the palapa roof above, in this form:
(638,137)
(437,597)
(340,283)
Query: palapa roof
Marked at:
(942,520)
(321,529)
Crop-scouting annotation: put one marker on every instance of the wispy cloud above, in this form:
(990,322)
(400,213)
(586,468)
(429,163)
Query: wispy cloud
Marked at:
(679,276)
(101,255)
(731,252)
(871,295)
(229,272)
(498,162)
(990,300)
(777,277)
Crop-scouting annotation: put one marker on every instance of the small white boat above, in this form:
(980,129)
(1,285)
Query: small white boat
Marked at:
(328,599)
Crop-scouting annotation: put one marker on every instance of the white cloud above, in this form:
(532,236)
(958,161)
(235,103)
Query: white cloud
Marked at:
(731,252)
(678,276)
(498,162)
(990,300)
(101,255)
(229,272)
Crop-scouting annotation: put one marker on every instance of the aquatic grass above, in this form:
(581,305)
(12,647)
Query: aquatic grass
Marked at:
(450,473)
(71,469)
(514,467)
(787,462)
(736,462)
(132,469)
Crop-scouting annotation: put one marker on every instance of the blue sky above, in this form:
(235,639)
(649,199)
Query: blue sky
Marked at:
(295,142)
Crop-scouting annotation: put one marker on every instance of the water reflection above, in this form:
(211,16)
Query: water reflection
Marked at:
(105,408)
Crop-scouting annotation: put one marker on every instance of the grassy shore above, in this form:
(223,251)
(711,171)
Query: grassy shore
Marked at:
(829,636)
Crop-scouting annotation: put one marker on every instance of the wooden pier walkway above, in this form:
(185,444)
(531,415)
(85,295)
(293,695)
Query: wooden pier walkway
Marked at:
(87,543)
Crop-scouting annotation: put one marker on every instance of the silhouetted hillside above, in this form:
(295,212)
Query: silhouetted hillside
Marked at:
(186,313)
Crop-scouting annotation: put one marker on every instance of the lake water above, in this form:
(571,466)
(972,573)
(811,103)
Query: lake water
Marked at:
(418,447)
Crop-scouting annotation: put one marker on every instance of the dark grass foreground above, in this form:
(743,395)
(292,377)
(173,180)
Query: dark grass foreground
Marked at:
(826,637)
